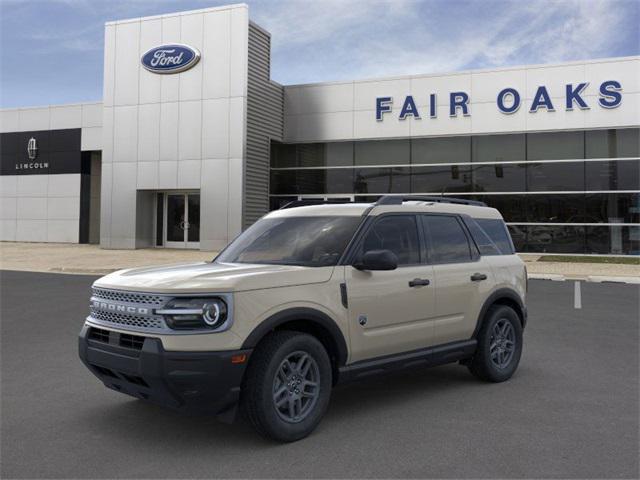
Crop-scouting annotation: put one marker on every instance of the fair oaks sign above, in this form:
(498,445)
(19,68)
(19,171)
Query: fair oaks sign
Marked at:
(173,58)
(508,101)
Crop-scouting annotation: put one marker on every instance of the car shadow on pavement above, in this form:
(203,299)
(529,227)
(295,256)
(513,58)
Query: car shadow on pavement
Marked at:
(143,423)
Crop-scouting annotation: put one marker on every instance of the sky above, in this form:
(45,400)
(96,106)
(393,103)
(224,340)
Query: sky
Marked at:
(51,51)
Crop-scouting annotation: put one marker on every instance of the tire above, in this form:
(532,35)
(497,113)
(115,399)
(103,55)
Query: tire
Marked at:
(279,400)
(493,361)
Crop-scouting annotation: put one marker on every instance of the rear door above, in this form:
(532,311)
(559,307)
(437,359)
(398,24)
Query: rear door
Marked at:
(462,277)
(389,312)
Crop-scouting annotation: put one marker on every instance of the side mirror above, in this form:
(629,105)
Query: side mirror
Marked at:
(377,260)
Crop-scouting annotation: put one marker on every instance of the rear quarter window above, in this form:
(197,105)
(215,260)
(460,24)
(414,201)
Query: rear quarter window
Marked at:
(497,231)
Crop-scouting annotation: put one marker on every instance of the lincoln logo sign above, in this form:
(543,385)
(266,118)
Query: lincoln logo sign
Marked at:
(508,101)
(172,58)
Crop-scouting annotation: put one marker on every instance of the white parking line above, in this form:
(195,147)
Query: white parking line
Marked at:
(577,295)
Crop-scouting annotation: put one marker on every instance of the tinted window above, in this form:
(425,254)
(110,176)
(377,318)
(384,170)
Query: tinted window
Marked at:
(612,208)
(382,180)
(447,240)
(555,208)
(499,148)
(613,143)
(305,241)
(613,175)
(441,150)
(548,238)
(382,152)
(499,178)
(439,179)
(563,176)
(498,233)
(482,240)
(397,233)
(555,145)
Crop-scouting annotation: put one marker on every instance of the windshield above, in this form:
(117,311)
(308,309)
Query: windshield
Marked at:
(304,241)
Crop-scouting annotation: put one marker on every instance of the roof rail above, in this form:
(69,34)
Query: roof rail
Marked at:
(313,201)
(399,199)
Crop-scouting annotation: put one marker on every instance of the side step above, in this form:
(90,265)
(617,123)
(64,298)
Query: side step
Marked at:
(425,357)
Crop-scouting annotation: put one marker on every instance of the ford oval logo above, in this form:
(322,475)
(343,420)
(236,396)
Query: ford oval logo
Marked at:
(172,58)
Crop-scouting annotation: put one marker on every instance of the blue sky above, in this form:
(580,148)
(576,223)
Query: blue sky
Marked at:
(51,50)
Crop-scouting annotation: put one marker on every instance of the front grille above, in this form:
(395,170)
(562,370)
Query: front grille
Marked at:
(99,335)
(129,297)
(131,341)
(138,321)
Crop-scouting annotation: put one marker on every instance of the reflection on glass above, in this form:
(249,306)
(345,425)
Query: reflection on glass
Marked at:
(499,148)
(613,175)
(499,178)
(548,238)
(175,218)
(382,180)
(441,150)
(544,177)
(555,145)
(613,240)
(194,218)
(556,208)
(612,143)
(382,152)
(612,208)
(440,179)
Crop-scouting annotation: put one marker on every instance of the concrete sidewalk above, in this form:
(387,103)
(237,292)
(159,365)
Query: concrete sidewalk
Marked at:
(90,259)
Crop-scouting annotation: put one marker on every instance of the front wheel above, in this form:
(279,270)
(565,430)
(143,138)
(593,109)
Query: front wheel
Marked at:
(288,385)
(499,345)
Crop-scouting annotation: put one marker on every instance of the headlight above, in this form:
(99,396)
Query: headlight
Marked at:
(195,313)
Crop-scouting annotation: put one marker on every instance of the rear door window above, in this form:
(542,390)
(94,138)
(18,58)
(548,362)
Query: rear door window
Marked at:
(447,240)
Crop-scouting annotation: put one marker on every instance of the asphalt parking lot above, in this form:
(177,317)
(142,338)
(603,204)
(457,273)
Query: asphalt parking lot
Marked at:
(571,411)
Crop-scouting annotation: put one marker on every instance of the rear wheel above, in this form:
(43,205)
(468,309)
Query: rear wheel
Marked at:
(499,345)
(288,386)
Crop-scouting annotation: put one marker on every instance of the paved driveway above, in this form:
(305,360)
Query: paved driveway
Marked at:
(570,411)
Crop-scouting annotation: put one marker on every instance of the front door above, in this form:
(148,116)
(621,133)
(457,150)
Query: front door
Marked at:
(182,220)
(389,311)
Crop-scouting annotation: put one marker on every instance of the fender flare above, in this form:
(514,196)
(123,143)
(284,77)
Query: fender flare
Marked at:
(311,315)
(502,293)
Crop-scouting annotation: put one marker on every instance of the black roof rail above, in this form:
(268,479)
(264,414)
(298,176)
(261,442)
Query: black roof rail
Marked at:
(313,201)
(399,199)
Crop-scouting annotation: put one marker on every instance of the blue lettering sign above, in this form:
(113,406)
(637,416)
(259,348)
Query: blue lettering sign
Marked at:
(573,95)
(433,106)
(515,102)
(610,96)
(409,108)
(458,100)
(541,99)
(383,104)
(173,58)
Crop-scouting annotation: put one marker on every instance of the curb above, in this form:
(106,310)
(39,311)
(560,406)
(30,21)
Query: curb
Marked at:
(587,278)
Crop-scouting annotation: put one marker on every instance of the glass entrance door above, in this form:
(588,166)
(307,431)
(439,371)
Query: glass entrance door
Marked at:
(182,220)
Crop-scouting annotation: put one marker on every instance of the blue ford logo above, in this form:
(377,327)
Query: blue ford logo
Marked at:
(172,58)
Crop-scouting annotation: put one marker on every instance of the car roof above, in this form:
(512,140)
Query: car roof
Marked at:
(413,206)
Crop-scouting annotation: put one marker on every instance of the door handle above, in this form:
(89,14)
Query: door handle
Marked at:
(419,282)
(478,277)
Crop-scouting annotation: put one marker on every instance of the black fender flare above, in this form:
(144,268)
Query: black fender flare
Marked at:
(304,314)
(511,297)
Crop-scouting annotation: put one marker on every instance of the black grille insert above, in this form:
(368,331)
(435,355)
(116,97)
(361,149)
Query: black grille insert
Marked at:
(104,371)
(134,379)
(131,341)
(99,335)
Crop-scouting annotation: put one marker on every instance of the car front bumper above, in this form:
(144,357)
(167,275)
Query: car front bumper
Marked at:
(139,366)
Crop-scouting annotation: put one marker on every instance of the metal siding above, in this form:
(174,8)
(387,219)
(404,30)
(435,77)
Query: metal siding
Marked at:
(265,121)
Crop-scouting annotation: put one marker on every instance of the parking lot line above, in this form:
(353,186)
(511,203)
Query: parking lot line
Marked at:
(577,295)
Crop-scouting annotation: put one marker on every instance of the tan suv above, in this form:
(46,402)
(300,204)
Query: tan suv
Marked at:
(310,296)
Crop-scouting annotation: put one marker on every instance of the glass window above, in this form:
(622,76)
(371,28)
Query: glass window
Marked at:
(339,154)
(513,208)
(545,177)
(499,178)
(555,145)
(614,240)
(498,233)
(283,155)
(397,233)
(382,152)
(382,180)
(481,239)
(612,143)
(548,238)
(613,175)
(311,182)
(555,208)
(499,148)
(447,241)
(440,179)
(305,241)
(612,208)
(441,150)
(310,155)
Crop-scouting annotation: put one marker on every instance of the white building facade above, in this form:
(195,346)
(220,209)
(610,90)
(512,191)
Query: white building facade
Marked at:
(190,157)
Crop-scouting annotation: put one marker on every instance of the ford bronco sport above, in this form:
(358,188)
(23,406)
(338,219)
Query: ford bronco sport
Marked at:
(310,296)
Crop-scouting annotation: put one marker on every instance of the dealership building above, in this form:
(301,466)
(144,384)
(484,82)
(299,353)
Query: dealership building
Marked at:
(193,142)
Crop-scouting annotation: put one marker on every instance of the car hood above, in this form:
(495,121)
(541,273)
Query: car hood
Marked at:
(212,277)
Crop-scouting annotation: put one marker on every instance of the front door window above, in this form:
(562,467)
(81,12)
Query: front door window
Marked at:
(182,220)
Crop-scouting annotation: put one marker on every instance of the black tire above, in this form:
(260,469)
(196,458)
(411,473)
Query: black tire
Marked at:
(261,386)
(495,365)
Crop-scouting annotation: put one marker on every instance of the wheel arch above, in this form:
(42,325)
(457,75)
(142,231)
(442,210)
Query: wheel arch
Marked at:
(306,320)
(503,296)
